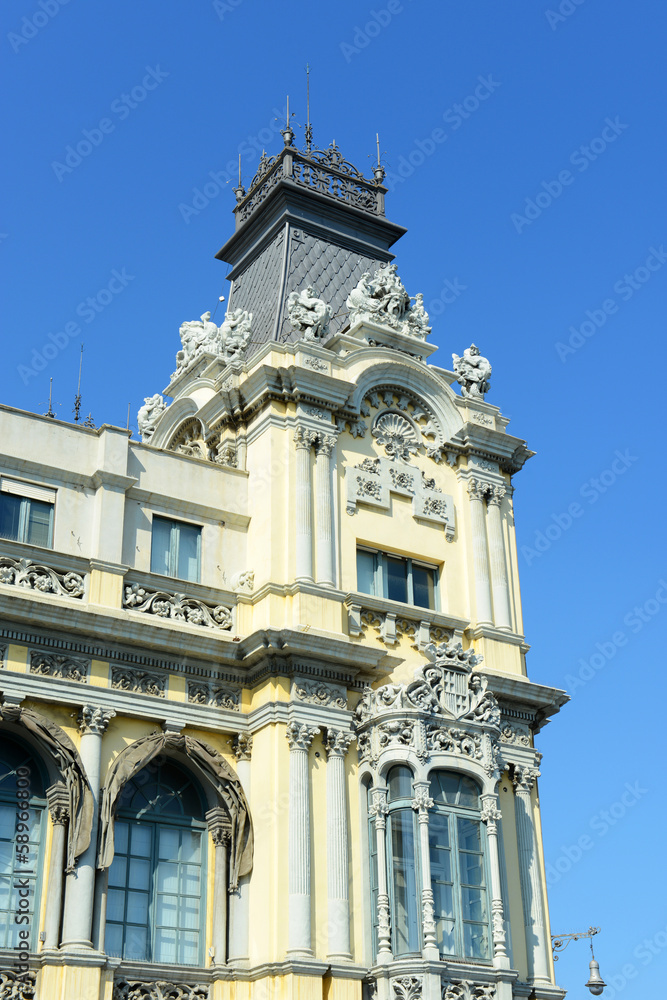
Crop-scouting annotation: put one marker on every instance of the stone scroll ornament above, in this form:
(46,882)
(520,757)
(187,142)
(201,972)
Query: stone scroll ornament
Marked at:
(383,299)
(309,314)
(210,765)
(68,762)
(202,336)
(472,373)
(31,576)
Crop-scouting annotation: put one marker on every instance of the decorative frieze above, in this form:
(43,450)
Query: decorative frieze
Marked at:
(318,693)
(516,735)
(68,668)
(138,681)
(373,481)
(463,989)
(32,576)
(15,986)
(203,693)
(177,607)
(124,989)
(407,988)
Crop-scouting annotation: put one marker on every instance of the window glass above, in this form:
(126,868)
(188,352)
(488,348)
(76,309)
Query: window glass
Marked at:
(423,586)
(365,572)
(10,513)
(188,552)
(175,549)
(397,579)
(442,882)
(161,546)
(39,519)
(405,917)
(26,520)
(399,783)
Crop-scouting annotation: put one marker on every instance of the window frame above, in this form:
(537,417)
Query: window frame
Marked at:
(380,576)
(27,494)
(174,547)
(402,804)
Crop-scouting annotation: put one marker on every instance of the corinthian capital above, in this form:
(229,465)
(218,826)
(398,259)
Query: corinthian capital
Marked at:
(421,800)
(490,813)
(93,719)
(304,438)
(338,742)
(300,736)
(326,444)
(524,778)
(477,489)
(495,497)
(379,807)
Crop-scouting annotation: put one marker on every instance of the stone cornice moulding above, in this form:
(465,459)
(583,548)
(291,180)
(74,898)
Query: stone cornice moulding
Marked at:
(410,611)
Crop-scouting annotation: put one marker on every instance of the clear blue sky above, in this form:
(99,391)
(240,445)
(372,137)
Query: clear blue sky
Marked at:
(541,200)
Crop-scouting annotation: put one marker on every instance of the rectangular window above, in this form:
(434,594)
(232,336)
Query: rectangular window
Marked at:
(459,890)
(175,549)
(26,513)
(397,579)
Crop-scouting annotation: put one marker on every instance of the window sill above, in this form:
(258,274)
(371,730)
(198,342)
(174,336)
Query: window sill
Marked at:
(393,619)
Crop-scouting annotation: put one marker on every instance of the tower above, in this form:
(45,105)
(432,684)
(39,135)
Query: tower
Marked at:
(267,706)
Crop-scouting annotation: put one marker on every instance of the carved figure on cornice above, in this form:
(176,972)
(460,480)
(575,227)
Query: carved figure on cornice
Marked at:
(203,336)
(309,313)
(235,333)
(472,373)
(149,414)
(383,299)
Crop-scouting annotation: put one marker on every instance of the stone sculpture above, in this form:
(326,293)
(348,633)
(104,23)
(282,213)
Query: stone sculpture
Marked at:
(309,314)
(383,299)
(202,336)
(472,373)
(149,414)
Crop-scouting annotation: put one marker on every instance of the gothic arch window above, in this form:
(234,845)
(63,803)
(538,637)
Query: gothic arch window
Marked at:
(22,825)
(157,881)
(458,867)
(402,862)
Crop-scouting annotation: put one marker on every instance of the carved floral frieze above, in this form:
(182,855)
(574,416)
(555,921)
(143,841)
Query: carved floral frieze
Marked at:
(215,695)
(318,693)
(17,987)
(138,681)
(31,576)
(124,989)
(177,607)
(463,989)
(373,481)
(407,988)
(70,668)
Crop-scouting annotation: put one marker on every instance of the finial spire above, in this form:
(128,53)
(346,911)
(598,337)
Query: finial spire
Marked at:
(309,127)
(240,190)
(378,171)
(77,399)
(287,133)
(49,412)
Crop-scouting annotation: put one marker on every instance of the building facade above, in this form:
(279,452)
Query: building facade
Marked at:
(265,725)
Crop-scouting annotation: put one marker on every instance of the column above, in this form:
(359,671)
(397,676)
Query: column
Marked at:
(504,892)
(58,800)
(422,802)
(220,830)
(304,440)
(499,582)
(477,490)
(490,816)
(80,885)
(300,737)
(378,811)
(531,883)
(337,745)
(239,899)
(325,531)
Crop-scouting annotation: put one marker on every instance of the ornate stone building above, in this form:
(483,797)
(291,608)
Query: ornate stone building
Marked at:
(265,723)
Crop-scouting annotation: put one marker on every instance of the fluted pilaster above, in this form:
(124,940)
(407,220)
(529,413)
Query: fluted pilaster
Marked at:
(299,737)
(531,883)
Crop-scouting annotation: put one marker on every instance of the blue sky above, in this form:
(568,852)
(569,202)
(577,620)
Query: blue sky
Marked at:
(524,144)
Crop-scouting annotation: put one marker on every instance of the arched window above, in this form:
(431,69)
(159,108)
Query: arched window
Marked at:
(402,858)
(22,818)
(155,906)
(458,870)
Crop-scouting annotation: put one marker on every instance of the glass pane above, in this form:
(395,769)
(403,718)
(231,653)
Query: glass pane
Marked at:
(444,787)
(438,831)
(471,869)
(365,572)
(140,874)
(468,794)
(397,579)
(136,944)
(188,948)
(113,940)
(445,936)
(137,907)
(7,821)
(473,904)
(141,839)
(118,871)
(167,876)
(169,842)
(40,518)
(167,911)
(6,853)
(188,552)
(120,838)
(116,904)
(444,905)
(190,880)
(399,783)
(468,835)
(423,586)
(476,941)
(10,512)
(405,919)
(189,914)
(190,846)
(160,546)
(5,893)
(165,947)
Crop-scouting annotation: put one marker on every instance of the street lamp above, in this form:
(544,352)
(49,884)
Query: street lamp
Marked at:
(559,942)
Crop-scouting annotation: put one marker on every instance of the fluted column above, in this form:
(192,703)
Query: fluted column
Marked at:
(477,490)
(300,737)
(490,816)
(80,887)
(304,440)
(531,883)
(337,745)
(422,802)
(499,581)
(220,830)
(58,800)
(325,532)
(378,811)
(239,899)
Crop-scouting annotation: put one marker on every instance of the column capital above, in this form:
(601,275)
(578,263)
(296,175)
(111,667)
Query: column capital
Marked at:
(338,742)
(300,736)
(477,489)
(241,745)
(93,719)
(379,807)
(304,437)
(524,778)
(495,496)
(57,798)
(326,444)
(490,813)
(422,801)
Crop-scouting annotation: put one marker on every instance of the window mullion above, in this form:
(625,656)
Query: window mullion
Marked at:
(24,511)
(411,592)
(380,575)
(153,901)
(173,550)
